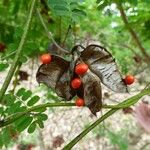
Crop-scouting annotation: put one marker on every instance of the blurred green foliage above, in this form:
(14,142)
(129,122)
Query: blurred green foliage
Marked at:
(119,139)
(17,102)
(70,22)
(86,19)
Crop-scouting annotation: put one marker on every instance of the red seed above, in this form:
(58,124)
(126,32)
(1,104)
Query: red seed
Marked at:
(76,83)
(129,79)
(81,69)
(80,102)
(46,58)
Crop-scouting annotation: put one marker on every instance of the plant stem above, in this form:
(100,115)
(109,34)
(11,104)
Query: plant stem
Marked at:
(18,52)
(126,103)
(49,34)
(68,29)
(8,55)
(74,33)
(130,48)
(14,117)
(133,33)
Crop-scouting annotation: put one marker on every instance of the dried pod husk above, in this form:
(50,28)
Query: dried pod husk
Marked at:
(56,76)
(63,88)
(101,62)
(92,91)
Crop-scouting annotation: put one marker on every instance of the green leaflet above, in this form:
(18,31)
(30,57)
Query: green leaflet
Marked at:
(32,127)
(33,100)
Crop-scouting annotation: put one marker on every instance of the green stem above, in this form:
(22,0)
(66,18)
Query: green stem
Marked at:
(126,103)
(68,29)
(14,117)
(7,56)
(74,33)
(18,52)
(49,34)
(132,32)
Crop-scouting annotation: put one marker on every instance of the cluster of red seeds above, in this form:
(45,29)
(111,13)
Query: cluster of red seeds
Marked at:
(81,69)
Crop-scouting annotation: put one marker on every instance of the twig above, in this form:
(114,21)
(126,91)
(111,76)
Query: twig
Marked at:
(74,33)
(8,55)
(69,27)
(133,33)
(126,46)
(16,116)
(10,119)
(124,104)
(147,85)
(104,128)
(49,34)
(18,52)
